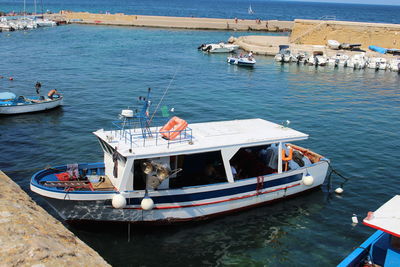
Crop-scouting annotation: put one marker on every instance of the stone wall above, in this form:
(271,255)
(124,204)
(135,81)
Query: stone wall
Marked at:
(29,236)
(317,32)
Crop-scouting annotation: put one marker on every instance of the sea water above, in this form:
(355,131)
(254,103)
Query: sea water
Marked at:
(350,115)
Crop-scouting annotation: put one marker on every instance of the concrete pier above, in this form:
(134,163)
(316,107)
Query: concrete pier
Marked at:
(121,19)
(269,46)
(29,236)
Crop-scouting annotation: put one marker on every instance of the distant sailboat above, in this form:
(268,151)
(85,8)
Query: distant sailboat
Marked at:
(250,10)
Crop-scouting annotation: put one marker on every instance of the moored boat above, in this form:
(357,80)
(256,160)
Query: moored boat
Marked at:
(218,48)
(281,55)
(383,247)
(11,104)
(382,64)
(394,65)
(175,171)
(357,61)
(247,61)
(373,63)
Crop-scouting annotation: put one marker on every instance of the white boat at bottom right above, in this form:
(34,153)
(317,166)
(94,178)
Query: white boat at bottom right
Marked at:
(383,247)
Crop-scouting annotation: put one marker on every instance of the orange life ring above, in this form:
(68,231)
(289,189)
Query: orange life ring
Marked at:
(284,158)
(173,128)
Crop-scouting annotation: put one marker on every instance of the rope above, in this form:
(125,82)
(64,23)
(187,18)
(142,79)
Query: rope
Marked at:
(333,171)
(162,98)
(260,184)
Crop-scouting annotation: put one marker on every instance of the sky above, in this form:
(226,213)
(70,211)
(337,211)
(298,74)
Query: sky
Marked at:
(375,2)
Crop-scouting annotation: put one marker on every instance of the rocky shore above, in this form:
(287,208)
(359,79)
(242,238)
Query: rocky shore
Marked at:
(29,236)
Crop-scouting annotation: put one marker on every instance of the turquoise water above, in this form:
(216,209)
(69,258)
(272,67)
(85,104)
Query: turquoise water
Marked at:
(351,116)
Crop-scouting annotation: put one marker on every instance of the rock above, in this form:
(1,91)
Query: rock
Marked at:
(29,236)
(232,39)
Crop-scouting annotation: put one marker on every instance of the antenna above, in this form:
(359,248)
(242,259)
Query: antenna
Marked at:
(165,92)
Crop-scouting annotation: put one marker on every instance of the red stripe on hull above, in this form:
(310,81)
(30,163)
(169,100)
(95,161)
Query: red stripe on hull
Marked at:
(199,218)
(219,201)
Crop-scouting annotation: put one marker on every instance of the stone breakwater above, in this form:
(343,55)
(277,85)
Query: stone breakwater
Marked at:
(173,22)
(29,236)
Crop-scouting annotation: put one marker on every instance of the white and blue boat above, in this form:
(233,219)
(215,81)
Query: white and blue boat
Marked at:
(242,61)
(11,104)
(175,171)
(383,247)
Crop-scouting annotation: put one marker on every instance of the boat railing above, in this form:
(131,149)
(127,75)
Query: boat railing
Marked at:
(132,133)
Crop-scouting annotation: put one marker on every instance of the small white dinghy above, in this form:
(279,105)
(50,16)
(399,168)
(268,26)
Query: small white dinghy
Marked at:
(333,44)
(11,104)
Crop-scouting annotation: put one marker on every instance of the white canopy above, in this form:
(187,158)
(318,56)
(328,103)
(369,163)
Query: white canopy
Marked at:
(387,217)
(209,136)
(7,95)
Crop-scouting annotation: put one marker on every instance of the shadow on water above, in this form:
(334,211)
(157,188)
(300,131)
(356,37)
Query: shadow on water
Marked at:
(227,240)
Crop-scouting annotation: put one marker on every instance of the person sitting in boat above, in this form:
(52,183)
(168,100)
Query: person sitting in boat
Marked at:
(250,56)
(53,93)
(235,171)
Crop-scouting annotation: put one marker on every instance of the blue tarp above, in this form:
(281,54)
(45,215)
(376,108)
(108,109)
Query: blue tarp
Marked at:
(7,95)
(378,49)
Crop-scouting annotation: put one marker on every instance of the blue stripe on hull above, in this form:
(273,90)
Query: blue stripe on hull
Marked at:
(217,193)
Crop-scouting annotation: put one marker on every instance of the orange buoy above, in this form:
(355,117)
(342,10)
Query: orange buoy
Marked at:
(173,128)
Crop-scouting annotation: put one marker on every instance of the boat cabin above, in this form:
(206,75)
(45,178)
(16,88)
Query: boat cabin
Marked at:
(202,154)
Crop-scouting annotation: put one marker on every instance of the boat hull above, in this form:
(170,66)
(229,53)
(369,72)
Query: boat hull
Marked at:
(32,107)
(186,204)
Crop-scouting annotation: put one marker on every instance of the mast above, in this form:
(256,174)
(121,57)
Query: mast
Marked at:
(41,1)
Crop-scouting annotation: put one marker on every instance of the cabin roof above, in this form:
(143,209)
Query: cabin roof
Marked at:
(207,136)
(386,218)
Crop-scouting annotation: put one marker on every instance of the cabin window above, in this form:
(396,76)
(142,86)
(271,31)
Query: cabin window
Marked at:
(139,177)
(255,161)
(199,169)
(263,160)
